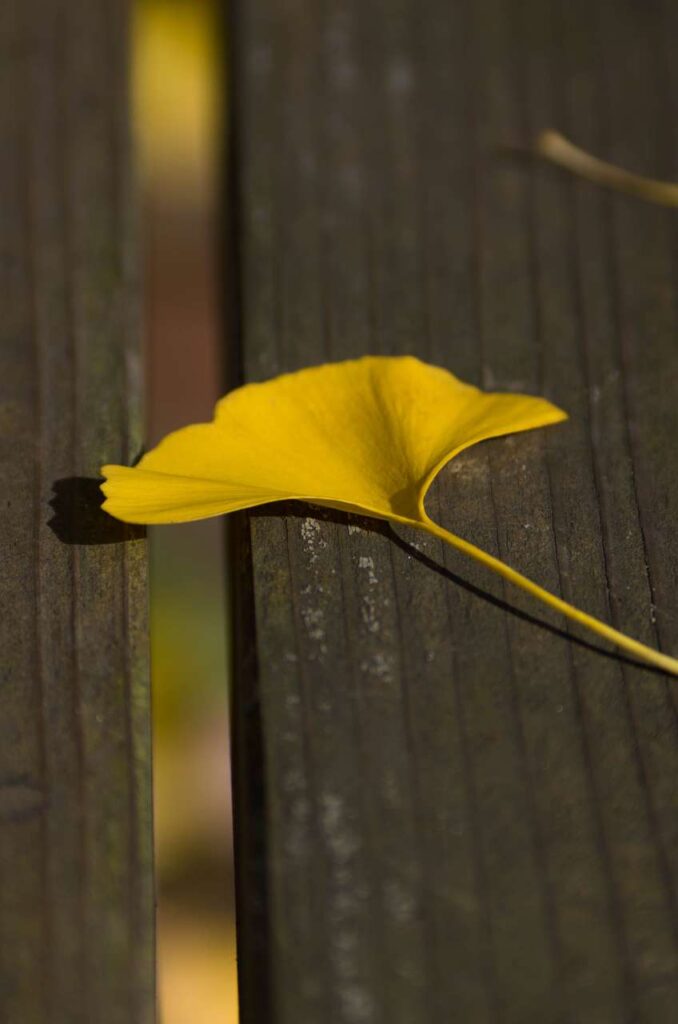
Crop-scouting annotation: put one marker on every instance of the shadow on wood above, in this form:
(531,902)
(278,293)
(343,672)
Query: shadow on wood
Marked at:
(299,510)
(79,519)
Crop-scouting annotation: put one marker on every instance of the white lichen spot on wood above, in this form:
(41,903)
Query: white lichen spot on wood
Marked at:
(367,562)
(369,604)
(313,541)
(314,622)
(379,665)
(368,613)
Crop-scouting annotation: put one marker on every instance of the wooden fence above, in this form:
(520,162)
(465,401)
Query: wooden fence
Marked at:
(447,806)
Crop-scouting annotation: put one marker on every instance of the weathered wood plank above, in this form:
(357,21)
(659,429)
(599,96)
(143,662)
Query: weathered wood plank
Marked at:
(76,899)
(466,815)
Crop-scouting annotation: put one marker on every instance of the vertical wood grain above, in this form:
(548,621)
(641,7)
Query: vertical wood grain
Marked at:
(461,812)
(76,899)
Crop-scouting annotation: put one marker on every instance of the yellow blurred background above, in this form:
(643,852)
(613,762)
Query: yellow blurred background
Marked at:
(178,97)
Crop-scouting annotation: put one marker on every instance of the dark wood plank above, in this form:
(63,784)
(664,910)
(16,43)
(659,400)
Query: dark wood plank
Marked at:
(446,808)
(76,898)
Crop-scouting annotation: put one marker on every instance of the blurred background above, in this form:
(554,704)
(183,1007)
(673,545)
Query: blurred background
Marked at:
(178,95)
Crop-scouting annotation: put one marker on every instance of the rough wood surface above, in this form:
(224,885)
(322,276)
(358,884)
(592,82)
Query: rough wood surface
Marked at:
(76,900)
(467,815)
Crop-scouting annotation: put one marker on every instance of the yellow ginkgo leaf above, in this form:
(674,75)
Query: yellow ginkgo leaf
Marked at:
(367,435)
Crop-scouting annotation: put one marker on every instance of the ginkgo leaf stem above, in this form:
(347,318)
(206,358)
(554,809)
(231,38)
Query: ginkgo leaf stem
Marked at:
(555,147)
(614,636)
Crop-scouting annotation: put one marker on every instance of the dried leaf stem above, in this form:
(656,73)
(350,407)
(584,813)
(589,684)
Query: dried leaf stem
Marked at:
(601,629)
(554,147)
